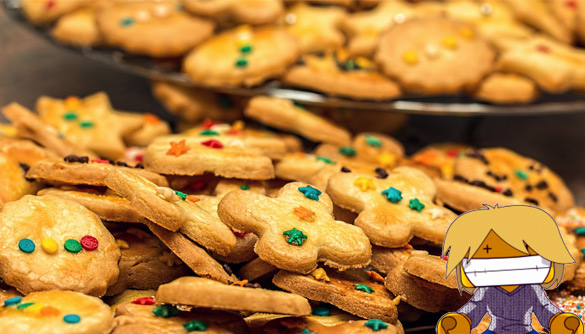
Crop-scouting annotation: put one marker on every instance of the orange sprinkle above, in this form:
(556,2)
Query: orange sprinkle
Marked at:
(305,214)
(408,246)
(49,311)
(240,283)
(178,148)
(375,277)
(72,103)
(151,119)
(192,198)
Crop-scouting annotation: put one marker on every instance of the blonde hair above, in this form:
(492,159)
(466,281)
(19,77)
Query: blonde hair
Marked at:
(520,226)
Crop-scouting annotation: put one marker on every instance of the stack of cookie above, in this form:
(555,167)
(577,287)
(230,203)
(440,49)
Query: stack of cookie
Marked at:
(227,228)
(499,51)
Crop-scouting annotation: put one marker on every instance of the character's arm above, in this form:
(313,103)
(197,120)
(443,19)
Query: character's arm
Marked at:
(544,309)
(476,307)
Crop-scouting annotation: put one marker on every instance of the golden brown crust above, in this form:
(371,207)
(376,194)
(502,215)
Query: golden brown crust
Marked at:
(506,88)
(78,28)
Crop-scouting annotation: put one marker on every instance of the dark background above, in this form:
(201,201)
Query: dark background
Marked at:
(30,66)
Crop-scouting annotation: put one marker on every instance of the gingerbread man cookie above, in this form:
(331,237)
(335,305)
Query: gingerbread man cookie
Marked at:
(78,28)
(52,243)
(241,11)
(296,229)
(394,209)
(42,12)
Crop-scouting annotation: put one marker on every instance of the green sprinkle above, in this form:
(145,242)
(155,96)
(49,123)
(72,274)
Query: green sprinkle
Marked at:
(181,194)
(579,230)
(326,160)
(241,62)
(86,124)
(25,305)
(347,151)
(295,236)
(350,65)
(321,311)
(583,251)
(246,48)
(195,325)
(245,187)
(298,105)
(522,175)
(373,141)
(165,311)
(376,324)
(364,288)
(126,22)
(72,246)
(209,133)
(70,116)
(415,204)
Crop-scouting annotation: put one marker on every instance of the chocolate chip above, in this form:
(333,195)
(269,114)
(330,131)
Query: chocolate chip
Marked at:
(531,200)
(3,285)
(83,160)
(227,269)
(528,187)
(139,166)
(475,153)
(121,163)
(508,192)
(24,167)
(542,185)
(382,173)
(497,177)
(252,285)
(553,197)
(460,179)
(345,170)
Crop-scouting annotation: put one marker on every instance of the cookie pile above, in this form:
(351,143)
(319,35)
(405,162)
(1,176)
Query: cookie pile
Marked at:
(498,51)
(228,228)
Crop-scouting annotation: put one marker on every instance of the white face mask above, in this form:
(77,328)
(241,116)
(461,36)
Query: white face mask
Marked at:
(506,271)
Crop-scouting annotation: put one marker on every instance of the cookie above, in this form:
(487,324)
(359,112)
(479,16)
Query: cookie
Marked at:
(55,311)
(434,56)
(240,11)
(30,126)
(441,156)
(498,175)
(42,12)
(145,262)
(386,259)
(78,28)
(256,270)
(571,219)
(242,56)
(152,127)
(91,122)
(136,318)
(506,89)
(538,14)
(331,324)
(420,282)
(394,209)
(205,293)
(129,296)
(225,156)
(304,233)
(192,104)
(152,29)
(339,74)
(352,291)
(173,211)
(108,207)
(285,115)
(315,28)
(52,243)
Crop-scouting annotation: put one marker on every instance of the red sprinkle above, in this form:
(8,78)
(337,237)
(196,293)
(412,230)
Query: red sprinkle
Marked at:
(238,234)
(209,123)
(139,157)
(100,161)
(50,4)
(543,48)
(213,143)
(198,185)
(498,189)
(572,4)
(235,132)
(452,153)
(144,301)
(444,257)
(89,243)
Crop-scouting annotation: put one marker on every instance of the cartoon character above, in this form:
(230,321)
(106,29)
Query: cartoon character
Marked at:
(506,257)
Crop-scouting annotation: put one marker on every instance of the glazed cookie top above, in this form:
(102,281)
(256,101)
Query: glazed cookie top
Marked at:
(50,312)
(434,55)
(52,243)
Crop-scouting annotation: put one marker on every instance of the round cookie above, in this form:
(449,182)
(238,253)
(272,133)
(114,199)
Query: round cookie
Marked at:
(242,56)
(52,243)
(434,56)
(156,29)
(42,12)
(50,312)
(507,89)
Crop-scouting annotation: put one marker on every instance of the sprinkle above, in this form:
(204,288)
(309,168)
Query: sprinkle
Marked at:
(89,243)
(467,33)
(151,118)
(195,325)
(326,160)
(579,230)
(209,133)
(347,151)
(321,311)
(375,277)
(364,288)
(304,214)
(178,148)
(212,143)
(238,233)
(306,331)
(392,194)
(245,187)
(364,63)
(376,324)
(522,175)
(572,4)
(72,103)
(122,244)
(72,246)
(241,62)
(23,306)
(320,275)
(70,116)
(165,311)
(144,301)
(12,301)
(100,161)
(295,236)
(86,124)
(387,159)
(583,251)
(543,48)
(192,199)
(182,195)
(382,173)
(373,141)
(415,204)
(310,192)
(345,170)
(50,4)
(72,318)
(240,283)
(207,123)
(410,57)
(246,48)
(49,245)
(450,42)
(396,300)
(49,311)
(436,213)
(126,22)
(364,183)
(26,245)
(36,308)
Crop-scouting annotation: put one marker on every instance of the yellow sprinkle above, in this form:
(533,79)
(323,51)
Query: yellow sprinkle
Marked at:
(387,159)
(467,33)
(342,55)
(320,275)
(450,42)
(238,125)
(122,244)
(364,183)
(243,33)
(364,63)
(49,245)
(396,300)
(410,57)
(446,169)
(35,308)
(72,103)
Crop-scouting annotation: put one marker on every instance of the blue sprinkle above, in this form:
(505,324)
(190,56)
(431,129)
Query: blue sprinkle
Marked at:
(72,318)
(12,301)
(26,245)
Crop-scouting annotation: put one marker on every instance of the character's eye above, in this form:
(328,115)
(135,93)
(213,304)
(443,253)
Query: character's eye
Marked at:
(487,249)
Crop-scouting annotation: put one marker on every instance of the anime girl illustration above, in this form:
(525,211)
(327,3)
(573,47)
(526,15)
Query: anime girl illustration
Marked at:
(506,257)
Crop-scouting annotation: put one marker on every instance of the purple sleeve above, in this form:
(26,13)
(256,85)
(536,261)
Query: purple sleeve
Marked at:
(544,309)
(475,308)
